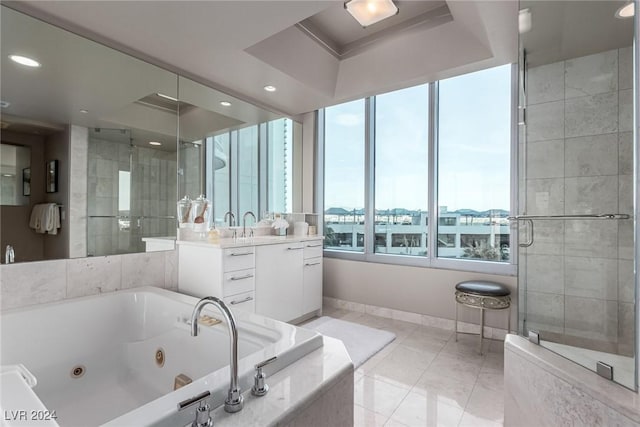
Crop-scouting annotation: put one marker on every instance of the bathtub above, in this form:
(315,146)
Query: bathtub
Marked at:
(113,359)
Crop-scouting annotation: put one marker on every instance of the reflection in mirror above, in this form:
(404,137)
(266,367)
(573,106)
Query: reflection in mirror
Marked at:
(15,176)
(96,111)
(239,156)
(577,143)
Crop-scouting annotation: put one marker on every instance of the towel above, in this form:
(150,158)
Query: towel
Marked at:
(45,218)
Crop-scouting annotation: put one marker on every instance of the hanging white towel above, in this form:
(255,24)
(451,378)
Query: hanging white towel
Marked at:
(45,218)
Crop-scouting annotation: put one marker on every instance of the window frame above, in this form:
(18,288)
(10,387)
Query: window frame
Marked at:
(431,260)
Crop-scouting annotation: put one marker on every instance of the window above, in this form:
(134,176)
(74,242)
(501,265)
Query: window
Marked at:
(402,167)
(250,169)
(474,160)
(344,174)
(381,185)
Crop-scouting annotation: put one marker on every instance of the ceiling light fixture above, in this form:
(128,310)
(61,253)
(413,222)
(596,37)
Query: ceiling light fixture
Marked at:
(83,111)
(23,60)
(626,11)
(368,12)
(225,103)
(155,143)
(270,88)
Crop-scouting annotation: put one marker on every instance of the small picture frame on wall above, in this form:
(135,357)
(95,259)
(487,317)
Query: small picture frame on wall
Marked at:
(26,181)
(51,176)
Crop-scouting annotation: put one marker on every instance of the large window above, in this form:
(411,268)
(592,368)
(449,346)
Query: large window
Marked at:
(344,176)
(381,185)
(474,128)
(401,169)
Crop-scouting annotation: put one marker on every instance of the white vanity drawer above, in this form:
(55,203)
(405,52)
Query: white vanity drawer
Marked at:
(238,258)
(245,301)
(237,282)
(312,249)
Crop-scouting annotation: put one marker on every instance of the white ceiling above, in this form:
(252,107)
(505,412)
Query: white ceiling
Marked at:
(241,46)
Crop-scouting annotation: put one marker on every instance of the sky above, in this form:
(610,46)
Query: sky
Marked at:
(474,140)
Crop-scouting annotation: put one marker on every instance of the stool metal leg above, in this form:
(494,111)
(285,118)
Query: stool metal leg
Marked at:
(481,328)
(456,328)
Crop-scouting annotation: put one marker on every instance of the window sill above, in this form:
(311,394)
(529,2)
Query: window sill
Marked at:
(485,267)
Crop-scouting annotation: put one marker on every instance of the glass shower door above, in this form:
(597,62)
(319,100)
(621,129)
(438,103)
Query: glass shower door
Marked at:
(131,193)
(576,260)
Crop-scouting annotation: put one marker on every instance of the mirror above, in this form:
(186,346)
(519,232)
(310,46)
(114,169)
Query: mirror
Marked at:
(15,170)
(102,142)
(109,121)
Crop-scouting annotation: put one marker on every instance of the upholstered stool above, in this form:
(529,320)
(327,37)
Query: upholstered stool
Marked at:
(483,295)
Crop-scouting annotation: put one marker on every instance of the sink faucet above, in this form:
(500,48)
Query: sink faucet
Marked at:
(234,401)
(232,218)
(9,255)
(244,222)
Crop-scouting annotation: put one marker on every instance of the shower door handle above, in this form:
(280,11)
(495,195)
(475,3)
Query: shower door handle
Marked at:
(529,241)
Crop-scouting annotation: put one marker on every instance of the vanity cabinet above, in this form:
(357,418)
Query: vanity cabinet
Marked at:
(281,280)
(228,274)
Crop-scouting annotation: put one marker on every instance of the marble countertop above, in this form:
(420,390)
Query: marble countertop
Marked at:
(291,391)
(249,241)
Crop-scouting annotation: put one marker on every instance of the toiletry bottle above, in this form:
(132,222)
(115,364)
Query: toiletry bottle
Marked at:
(213,235)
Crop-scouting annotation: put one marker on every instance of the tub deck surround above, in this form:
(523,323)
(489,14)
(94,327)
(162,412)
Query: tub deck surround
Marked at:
(545,389)
(113,339)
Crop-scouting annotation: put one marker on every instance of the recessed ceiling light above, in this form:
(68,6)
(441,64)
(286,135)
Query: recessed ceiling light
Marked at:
(155,143)
(626,11)
(225,103)
(270,88)
(23,60)
(7,175)
(83,111)
(162,95)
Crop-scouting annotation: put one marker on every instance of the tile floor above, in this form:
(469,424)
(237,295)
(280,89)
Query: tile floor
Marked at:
(425,378)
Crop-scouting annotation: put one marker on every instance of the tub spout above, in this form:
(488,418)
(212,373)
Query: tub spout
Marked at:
(234,401)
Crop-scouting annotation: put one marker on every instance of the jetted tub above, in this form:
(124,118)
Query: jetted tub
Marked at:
(113,359)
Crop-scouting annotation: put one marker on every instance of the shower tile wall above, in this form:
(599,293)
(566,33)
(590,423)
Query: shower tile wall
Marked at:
(152,195)
(579,273)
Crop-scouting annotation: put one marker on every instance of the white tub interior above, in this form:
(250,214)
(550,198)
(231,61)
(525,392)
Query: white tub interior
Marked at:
(114,338)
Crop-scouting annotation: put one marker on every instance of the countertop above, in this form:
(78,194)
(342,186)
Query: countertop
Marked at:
(249,241)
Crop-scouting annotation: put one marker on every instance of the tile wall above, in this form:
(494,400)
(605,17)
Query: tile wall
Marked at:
(579,273)
(29,283)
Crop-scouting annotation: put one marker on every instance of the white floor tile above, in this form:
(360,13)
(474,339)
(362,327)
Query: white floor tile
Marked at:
(420,410)
(378,396)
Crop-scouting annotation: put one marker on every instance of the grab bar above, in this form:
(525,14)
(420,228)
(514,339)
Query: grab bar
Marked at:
(585,216)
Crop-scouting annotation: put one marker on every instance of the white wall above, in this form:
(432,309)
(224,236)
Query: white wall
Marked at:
(420,290)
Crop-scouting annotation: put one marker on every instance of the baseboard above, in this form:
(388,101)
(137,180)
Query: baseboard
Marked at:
(419,319)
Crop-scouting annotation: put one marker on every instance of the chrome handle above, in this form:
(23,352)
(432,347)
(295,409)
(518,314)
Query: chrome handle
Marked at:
(260,388)
(530,241)
(294,249)
(248,276)
(241,254)
(241,301)
(193,400)
(311,263)
(314,246)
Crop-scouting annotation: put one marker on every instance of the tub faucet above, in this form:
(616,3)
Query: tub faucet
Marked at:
(9,255)
(244,222)
(234,402)
(232,218)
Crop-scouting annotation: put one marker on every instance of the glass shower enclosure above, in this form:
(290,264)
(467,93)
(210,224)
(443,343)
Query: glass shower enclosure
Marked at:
(131,191)
(576,175)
